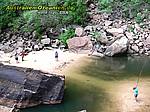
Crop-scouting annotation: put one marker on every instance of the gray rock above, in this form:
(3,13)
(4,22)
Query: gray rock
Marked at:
(124,27)
(137,41)
(115,31)
(44,36)
(88,28)
(129,35)
(103,38)
(107,23)
(92,6)
(135,48)
(140,44)
(19,44)
(33,33)
(26,87)
(45,41)
(119,46)
(135,37)
(36,47)
(79,31)
(147,42)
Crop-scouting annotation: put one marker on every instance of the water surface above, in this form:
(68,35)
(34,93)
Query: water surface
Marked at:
(93,85)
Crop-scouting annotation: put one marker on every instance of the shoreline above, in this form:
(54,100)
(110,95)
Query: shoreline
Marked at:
(44,60)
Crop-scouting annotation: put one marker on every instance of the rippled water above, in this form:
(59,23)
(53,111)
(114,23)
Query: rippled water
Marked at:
(93,85)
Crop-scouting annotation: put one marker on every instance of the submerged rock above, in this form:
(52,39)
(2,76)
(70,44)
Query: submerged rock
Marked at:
(24,87)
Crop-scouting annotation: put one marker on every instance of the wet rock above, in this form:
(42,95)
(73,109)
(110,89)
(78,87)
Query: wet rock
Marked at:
(26,87)
(118,47)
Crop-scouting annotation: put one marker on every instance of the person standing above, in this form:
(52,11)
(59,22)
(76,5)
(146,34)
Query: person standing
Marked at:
(16,57)
(136,92)
(56,56)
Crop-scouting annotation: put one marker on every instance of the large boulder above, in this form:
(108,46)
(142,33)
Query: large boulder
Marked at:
(26,87)
(118,47)
(83,43)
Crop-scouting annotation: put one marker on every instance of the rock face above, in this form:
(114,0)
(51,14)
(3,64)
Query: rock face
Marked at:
(119,46)
(26,87)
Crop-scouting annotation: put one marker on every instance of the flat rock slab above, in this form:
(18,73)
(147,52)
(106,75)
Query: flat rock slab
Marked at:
(26,87)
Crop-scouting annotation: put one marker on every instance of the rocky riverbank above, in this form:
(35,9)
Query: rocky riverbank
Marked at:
(25,87)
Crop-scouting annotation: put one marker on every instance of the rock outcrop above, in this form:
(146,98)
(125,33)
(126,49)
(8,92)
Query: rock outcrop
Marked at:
(24,87)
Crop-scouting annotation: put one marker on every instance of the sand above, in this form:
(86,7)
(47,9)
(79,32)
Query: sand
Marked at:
(43,60)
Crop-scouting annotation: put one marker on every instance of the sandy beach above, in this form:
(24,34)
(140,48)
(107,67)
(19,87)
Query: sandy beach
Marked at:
(43,60)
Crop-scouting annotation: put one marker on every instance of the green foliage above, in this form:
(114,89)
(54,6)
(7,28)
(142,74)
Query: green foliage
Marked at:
(96,35)
(105,5)
(78,13)
(131,29)
(139,18)
(34,20)
(128,8)
(67,35)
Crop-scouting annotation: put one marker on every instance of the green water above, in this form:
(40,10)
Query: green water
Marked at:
(92,86)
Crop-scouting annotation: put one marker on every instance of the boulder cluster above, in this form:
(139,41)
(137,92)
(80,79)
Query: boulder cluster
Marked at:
(116,35)
(10,41)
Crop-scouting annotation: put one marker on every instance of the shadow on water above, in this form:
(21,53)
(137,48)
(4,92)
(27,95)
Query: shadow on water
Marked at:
(116,68)
(78,96)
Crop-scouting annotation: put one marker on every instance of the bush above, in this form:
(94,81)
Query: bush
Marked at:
(70,33)
(128,8)
(105,5)
(78,13)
